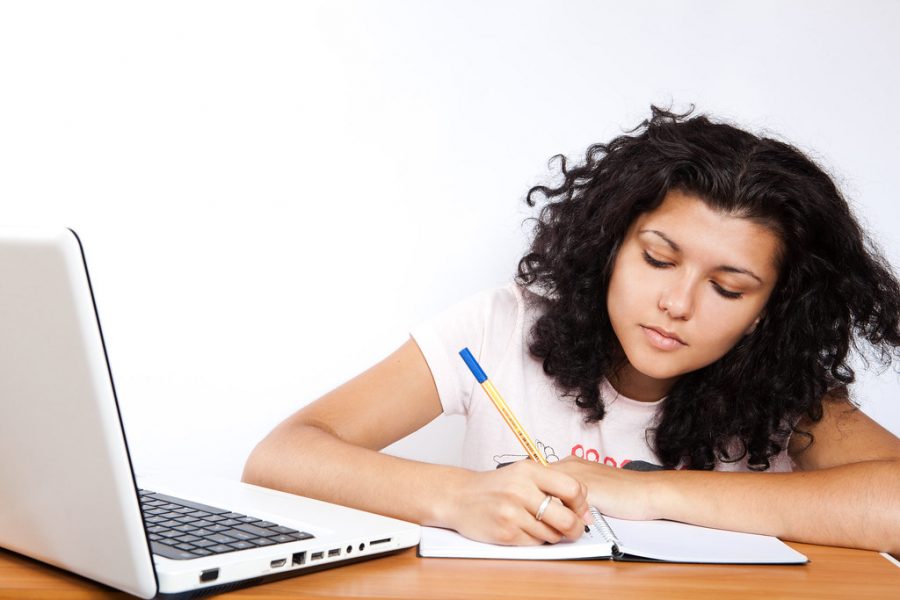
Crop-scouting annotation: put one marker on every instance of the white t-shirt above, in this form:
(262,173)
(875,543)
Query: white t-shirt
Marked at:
(495,325)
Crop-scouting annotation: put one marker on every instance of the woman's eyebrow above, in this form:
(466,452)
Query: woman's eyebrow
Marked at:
(730,269)
(677,248)
(665,238)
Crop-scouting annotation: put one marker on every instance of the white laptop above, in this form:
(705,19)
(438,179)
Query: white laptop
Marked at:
(68,494)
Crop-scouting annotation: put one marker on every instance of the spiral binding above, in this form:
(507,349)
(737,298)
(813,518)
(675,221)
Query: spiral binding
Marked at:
(603,527)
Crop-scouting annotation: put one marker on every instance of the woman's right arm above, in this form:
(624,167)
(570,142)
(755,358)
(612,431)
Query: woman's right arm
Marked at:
(330,450)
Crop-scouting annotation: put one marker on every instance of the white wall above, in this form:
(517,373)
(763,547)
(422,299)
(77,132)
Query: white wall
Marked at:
(272,194)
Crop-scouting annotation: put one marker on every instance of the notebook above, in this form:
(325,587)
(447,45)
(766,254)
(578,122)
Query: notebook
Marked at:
(619,539)
(68,493)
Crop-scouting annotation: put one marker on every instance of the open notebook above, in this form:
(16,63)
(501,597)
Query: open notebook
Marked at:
(665,541)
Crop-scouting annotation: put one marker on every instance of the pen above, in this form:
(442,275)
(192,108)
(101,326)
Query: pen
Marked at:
(481,377)
(507,413)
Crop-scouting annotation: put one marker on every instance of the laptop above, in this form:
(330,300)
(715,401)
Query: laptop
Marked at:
(68,493)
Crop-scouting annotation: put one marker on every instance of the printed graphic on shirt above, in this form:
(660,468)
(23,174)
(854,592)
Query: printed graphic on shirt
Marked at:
(593,455)
(641,465)
(501,460)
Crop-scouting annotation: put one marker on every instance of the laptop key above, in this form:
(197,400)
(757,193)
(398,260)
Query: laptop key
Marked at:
(170,552)
(281,529)
(193,505)
(185,519)
(283,538)
(201,552)
(256,531)
(221,539)
(219,549)
(239,535)
(262,542)
(241,545)
(171,533)
(186,539)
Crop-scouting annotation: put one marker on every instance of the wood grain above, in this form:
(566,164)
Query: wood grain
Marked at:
(832,573)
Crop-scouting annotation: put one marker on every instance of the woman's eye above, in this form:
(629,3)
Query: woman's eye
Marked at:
(655,263)
(726,293)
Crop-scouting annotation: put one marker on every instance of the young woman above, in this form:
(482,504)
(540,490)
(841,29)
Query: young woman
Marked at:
(677,341)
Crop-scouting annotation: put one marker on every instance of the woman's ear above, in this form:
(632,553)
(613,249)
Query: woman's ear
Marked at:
(753,325)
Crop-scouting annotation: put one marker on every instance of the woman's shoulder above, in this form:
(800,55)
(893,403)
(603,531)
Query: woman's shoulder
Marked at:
(490,313)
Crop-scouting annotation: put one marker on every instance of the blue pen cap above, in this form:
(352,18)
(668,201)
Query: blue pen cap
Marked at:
(473,365)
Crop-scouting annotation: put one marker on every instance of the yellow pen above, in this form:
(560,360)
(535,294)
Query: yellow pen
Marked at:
(502,407)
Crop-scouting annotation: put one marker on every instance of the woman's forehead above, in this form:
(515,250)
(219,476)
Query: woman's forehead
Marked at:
(686,224)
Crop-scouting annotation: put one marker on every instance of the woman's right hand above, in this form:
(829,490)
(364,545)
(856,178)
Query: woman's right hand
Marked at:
(500,506)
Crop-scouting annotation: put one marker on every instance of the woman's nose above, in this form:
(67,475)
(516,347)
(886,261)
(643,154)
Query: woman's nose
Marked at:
(678,301)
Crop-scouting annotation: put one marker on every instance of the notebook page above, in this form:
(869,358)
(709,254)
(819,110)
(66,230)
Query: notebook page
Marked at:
(679,542)
(449,544)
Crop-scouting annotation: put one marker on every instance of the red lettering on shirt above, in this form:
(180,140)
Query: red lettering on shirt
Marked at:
(593,455)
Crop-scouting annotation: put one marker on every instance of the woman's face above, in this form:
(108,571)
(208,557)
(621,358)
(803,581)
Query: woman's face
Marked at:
(687,285)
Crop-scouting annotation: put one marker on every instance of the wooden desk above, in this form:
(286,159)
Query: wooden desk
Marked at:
(833,573)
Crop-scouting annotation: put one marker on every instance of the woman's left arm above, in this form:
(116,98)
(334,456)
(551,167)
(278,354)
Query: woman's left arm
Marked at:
(845,491)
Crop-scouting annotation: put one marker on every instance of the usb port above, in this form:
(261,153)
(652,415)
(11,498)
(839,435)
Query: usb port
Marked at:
(316,555)
(334,552)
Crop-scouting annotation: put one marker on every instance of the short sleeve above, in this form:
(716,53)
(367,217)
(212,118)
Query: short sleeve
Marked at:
(483,323)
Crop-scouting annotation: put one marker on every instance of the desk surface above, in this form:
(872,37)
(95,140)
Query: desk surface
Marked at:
(832,573)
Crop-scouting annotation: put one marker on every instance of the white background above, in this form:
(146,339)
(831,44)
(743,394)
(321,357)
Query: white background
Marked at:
(271,194)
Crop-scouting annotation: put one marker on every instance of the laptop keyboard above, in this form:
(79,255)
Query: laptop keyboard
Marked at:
(180,529)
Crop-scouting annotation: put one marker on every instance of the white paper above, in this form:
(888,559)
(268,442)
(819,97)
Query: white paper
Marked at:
(449,544)
(679,542)
(660,540)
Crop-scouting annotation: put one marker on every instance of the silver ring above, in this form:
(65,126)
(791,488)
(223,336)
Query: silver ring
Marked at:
(540,512)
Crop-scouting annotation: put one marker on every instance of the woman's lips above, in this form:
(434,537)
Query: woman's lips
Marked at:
(660,340)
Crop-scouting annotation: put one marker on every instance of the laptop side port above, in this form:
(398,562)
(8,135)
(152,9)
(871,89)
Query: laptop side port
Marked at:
(209,575)
(278,562)
(316,555)
(381,541)
(299,558)
(334,552)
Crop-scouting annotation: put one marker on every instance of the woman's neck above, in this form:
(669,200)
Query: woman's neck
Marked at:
(633,384)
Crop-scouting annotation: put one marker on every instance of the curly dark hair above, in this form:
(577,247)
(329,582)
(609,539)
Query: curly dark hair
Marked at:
(834,289)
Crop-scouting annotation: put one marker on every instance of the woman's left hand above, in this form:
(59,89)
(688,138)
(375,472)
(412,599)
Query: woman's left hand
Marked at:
(616,492)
